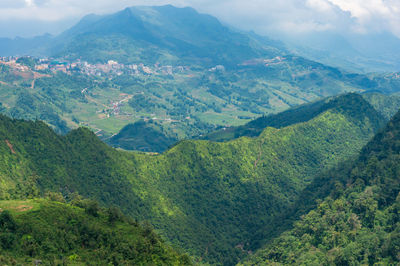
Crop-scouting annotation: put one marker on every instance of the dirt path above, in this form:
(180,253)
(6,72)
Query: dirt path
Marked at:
(37,76)
(23,208)
(10,146)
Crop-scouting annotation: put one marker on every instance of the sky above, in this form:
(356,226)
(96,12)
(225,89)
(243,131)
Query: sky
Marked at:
(27,18)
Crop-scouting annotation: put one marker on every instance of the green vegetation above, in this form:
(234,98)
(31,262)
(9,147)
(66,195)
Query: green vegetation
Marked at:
(199,76)
(350,104)
(358,223)
(386,105)
(186,106)
(209,198)
(295,172)
(54,233)
(160,34)
(142,136)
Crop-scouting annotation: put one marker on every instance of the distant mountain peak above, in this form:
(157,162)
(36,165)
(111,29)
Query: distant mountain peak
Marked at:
(152,34)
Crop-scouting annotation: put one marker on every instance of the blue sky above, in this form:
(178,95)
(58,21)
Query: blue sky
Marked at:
(267,17)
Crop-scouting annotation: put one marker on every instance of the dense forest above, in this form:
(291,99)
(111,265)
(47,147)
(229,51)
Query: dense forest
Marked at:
(50,231)
(358,223)
(161,136)
(386,105)
(211,199)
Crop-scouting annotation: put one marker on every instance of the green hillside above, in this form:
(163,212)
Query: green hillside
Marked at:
(358,223)
(183,69)
(142,136)
(386,105)
(306,112)
(188,105)
(47,232)
(209,198)
(160,34)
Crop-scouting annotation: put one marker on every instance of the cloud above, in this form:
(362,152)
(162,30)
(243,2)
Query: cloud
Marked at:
(373,15)
(272,16)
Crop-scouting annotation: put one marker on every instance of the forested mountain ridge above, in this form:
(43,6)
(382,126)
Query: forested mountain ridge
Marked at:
(185,70)
(162,34)
(358,223)
(150,35)
(209,198)
(350,103)
(50,232)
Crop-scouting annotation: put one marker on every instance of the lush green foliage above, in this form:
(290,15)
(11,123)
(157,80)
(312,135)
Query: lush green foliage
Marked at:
(142,136)
(55,233)
(386,105)
(258,76)
(359,222)
(350,104)
(186,106)
(212,199)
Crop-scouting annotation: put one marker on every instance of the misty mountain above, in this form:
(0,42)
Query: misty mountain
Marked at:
(150,35)
(356,52)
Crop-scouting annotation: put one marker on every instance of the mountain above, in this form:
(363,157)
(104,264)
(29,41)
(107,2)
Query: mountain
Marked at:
(358,223)
(159,34)
(361,53)
(386,105)
(49,232)
(209,198)
(36,46)
(142,136)
(350,103)
(183,69)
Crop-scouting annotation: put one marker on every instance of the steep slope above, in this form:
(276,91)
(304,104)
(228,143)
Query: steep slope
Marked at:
(159,34)
(173,64)
(142,136)
(209,198)
(48,232)
(359,222)
(350,103)
(386,105)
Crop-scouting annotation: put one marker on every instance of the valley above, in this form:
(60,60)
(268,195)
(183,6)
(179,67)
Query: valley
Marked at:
(241,185)
(162,136)
(186,104)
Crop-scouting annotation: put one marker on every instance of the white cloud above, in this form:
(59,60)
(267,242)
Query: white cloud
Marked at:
(373,15)
(29,3)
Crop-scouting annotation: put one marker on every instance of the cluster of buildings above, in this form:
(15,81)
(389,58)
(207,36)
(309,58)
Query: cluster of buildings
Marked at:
(12,62)
(266,62)
(110,68)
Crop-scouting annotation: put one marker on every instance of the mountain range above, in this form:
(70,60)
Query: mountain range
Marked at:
(357,222)
(244,153)
(361,53)
(207,198)
(162,34)
(196,75)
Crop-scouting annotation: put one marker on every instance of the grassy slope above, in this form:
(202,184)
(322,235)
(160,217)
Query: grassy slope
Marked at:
(358,223)
(59,233)
(207,197)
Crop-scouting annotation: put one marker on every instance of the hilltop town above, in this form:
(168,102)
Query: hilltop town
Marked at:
(51,65)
